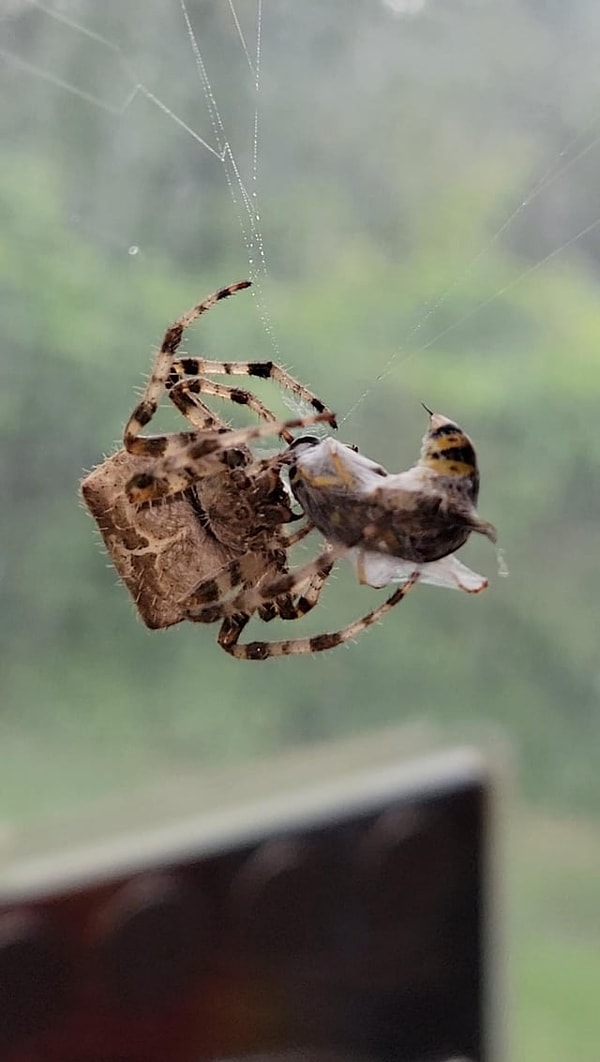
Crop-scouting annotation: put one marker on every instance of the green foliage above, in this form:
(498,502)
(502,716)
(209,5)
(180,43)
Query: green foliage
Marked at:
(554,961)
(523,655)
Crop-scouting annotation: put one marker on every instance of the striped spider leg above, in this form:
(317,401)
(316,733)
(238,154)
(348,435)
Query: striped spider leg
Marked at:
(179,510)
(257,580)
(232,491)
(197,529)
(167,375)
(236,612)
(241,502)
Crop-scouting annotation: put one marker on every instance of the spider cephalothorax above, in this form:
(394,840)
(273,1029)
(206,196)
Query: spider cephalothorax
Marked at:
(242,506)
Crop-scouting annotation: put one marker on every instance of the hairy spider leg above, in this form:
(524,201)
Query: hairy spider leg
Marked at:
(207,603)
(200,368)
(184,394)
(195,410)
(188,456)
(233,626)
(166,375)
(149,446)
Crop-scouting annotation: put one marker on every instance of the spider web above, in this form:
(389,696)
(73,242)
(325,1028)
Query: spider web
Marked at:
(242,188)
(247,162)
(242,178)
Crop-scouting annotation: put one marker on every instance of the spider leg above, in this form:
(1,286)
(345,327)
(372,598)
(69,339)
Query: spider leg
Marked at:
(265,370)
(309,597)
(188,456)
(297,536)
(305,595)
(181,392)
(233,626)
(207,603)
(314,572)
(143,413)
(195,410)
(230,631)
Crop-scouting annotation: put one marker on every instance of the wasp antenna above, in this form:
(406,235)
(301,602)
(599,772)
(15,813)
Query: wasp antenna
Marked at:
(427,409)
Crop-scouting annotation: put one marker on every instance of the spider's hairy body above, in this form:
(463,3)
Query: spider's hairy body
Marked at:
(244,508)
(161,552)
(420,516)
(195,523)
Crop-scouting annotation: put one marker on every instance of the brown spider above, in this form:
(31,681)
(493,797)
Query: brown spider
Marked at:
(194,523)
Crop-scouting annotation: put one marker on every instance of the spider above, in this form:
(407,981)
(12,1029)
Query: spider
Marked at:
(402,527)
(194,523)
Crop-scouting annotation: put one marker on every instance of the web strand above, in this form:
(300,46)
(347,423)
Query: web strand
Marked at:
(245,201)
(246,212)
(236,23)
(507,287)
(553,173)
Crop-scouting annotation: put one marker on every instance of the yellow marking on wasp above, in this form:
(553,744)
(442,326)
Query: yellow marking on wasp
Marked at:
(453,468)
(317,481)
(343,471)
(343,478)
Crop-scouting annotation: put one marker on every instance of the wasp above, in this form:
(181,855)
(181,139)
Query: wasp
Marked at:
(396,527)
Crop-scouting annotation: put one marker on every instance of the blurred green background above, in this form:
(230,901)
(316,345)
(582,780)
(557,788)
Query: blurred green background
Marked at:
(423,192)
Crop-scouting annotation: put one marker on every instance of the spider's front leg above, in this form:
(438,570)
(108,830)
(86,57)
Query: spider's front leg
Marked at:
(184,394)
(187,457)
(155,446)
(200,368)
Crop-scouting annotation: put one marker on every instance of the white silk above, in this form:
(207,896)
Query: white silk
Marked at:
(380,569)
